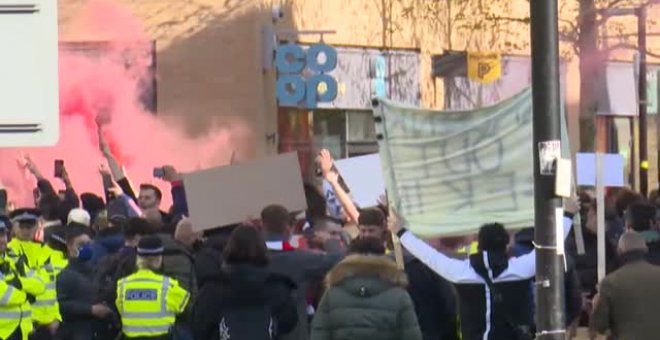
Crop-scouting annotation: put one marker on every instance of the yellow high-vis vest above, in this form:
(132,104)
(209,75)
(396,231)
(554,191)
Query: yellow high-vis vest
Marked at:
(15,309)
(34,255)
(46,309)
(148,303)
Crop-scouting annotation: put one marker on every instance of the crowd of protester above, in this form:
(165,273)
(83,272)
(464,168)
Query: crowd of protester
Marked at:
(89,267)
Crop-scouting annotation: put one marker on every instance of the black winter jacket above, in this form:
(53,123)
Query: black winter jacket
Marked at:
(240,286)
(435,300)
(76,294)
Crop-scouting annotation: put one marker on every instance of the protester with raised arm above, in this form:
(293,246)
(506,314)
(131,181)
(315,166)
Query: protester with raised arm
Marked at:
(325,162)
(149,197)
(492,284)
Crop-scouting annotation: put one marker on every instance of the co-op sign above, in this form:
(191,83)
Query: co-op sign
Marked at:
(303,79)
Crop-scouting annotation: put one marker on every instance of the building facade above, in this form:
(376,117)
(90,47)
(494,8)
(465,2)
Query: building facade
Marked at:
(215,62)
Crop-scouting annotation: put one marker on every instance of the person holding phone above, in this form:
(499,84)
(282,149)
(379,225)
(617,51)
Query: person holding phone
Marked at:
(150,196)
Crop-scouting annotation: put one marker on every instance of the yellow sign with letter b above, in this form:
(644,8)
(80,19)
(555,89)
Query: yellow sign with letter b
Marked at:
(484,67)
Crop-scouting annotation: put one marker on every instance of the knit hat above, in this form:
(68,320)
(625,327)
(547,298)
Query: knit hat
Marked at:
(150,246)
(80,216)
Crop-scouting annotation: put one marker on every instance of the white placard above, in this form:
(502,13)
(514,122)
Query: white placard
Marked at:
(364,176)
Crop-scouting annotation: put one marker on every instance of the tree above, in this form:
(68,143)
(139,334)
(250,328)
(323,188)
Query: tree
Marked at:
(497,23)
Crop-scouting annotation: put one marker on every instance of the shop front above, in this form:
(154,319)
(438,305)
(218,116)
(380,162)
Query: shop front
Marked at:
(338,116)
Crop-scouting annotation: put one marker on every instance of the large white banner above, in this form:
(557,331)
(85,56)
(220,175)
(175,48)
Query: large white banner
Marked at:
(449,172)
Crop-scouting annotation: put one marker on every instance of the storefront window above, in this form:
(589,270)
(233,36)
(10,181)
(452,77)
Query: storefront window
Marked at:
(343,133)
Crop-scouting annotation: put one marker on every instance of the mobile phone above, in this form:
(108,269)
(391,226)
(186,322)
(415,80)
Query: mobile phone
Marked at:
(159,173)
(59,168)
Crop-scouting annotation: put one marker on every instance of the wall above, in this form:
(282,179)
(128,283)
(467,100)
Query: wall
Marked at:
(209,51)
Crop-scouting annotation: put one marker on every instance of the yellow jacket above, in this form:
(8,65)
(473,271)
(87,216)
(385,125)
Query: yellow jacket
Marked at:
(148,303)
(16,292)
(35,256)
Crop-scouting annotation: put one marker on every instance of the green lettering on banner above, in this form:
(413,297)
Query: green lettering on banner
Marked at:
(449,172)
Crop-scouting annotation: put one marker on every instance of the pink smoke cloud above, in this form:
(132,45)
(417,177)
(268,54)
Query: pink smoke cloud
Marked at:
(106,84)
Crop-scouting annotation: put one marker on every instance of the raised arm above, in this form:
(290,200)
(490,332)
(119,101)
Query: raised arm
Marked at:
(70,194)
(179,199)
(3,199)
(332,177)
(108,184)
(525,266)
(453,270)
(115,169)
(44,185)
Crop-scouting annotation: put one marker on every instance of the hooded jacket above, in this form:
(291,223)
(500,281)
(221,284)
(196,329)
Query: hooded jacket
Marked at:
(366,299)
(242,287)
(107,242)
(483,317)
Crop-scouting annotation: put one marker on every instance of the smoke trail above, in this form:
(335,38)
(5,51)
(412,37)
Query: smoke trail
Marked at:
(107,80)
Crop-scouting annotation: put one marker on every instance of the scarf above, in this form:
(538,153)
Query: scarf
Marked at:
(279,246)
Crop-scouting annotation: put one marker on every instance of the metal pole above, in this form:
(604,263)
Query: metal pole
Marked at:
(546,121)
(643,127)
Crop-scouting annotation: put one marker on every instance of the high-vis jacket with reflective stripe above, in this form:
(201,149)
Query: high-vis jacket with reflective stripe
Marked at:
(15,310)
(46,309)
(34,255)
(148,303)
(28,253)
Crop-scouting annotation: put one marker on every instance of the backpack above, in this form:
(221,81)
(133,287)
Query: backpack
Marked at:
(253,321)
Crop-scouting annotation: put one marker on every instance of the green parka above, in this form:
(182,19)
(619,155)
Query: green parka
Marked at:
(366,299)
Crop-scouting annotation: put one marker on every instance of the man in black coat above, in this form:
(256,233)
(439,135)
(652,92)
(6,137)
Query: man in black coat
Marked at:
(302,267)
(76,292)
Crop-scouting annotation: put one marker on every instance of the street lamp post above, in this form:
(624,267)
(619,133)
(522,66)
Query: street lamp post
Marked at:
(546,126)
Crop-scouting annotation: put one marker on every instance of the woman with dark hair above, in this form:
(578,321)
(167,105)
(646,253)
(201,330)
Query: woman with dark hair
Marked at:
(244,300)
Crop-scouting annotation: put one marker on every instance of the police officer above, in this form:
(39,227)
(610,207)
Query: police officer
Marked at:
(149,302)
(17,291)
(32,255)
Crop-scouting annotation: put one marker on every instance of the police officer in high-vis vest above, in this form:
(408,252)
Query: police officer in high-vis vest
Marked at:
(148,302)
(16,291)
(32,255)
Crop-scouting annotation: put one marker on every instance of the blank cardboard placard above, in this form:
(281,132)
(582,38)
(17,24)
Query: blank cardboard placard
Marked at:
(364,176)
(230,194)
(612,165)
